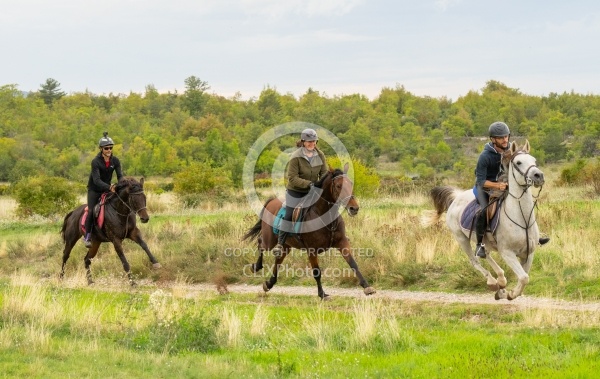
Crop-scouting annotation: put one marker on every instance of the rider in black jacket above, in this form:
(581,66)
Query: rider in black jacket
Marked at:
(103,166)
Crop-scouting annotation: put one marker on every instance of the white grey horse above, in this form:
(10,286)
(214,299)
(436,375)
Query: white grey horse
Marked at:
(517,233)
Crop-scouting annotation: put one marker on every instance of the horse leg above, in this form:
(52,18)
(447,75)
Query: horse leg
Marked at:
(267,285)
(87,260)
(119,249)
(69,244)
(136,236)
(465,244)
(500,277)
(523,278)
(344,248)
(316,272)
(256,267)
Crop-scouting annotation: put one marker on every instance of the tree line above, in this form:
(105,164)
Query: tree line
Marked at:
(49,132)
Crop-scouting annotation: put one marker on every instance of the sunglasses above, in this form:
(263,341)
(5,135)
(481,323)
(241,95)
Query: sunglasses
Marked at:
(107,148)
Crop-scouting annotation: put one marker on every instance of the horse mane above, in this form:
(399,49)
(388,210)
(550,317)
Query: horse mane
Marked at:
(128,181)
(336,172)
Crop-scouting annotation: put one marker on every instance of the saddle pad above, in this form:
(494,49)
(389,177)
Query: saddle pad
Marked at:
(98,212)
(468,217)
(279,218)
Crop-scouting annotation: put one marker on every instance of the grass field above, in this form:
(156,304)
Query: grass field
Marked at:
(57,329)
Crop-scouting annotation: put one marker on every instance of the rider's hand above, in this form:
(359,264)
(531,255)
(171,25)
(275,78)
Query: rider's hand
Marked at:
(112,188)
(502,186)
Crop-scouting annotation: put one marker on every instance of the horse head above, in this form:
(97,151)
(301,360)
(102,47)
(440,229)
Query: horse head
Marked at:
(521,162)
(131,193)
(341,190)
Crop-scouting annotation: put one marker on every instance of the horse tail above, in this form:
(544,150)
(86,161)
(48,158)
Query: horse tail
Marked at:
(442,197)
(64,226)
(255,230)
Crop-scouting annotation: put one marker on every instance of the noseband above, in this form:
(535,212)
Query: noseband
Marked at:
(528,180)
(128,202)
(344,201)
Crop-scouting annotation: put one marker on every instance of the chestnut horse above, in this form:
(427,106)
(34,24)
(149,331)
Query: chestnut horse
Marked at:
(322,227)
(120,211)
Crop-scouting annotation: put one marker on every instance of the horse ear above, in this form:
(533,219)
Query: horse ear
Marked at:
(513,148)
(526,147)
(142,182)
(346,166)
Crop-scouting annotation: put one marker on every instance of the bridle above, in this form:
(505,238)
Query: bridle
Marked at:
(335,194)
(128,203)
(334,206)
(525,187)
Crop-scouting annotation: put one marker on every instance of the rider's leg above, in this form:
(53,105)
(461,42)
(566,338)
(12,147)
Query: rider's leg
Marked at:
(92,200)
(283,231)
(292,199)
(481,222)
(480,225)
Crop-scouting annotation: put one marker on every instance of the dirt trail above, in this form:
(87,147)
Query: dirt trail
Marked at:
(192,290)
(439,297)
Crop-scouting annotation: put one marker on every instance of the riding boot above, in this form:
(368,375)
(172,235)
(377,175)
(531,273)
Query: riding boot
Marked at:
(278,249)
(480,233)
(87,240)
(543,240)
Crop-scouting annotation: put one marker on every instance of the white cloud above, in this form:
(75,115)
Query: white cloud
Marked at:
(443,5)
(276,9)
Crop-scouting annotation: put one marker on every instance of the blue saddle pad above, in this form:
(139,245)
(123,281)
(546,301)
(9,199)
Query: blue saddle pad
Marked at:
(279,218)
(468,217)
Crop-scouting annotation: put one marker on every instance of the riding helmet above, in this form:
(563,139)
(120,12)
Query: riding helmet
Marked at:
(499,129)
(105,140)
(309,135)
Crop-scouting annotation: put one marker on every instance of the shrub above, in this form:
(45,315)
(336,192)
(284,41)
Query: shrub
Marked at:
(44,195)
(366,181)
(199,179)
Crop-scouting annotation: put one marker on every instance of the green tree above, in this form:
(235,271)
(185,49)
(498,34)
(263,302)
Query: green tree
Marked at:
(194,98)
(50,92)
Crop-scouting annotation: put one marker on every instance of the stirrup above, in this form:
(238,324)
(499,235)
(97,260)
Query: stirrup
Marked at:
(480,252)
(277,250)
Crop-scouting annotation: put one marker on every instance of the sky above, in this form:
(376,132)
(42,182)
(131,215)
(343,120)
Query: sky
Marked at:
(432,48)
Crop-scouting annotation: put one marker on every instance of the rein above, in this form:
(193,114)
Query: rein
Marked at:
(333,225)
(128,205)
(525,188)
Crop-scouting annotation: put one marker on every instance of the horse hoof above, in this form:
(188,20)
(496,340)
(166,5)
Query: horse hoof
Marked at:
(156,265)
(325,297)
(90,282)
(500,294)
(265,288)
(369,291)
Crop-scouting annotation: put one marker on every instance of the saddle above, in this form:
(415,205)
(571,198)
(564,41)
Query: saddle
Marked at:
(297,217)
(469,215)
(98,213)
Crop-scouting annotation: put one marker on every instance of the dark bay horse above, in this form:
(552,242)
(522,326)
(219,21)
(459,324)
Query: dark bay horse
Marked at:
(119,223)
(329,232)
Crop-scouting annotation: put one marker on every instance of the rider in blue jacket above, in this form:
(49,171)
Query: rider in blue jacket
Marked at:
(487,173)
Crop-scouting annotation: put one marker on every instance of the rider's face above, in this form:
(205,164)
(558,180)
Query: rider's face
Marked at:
(107,151)
(501,142)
